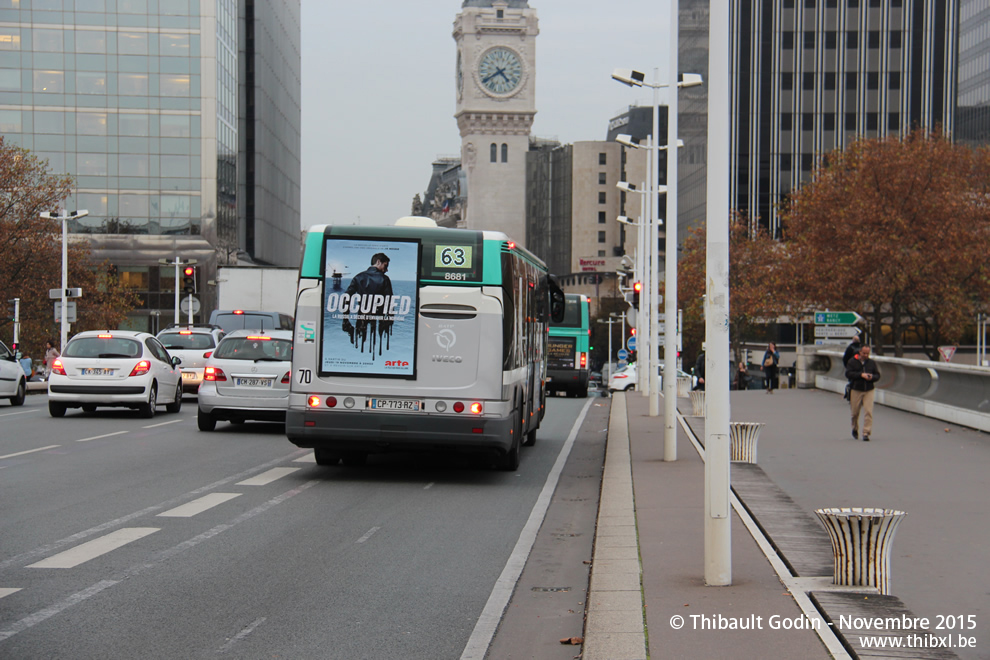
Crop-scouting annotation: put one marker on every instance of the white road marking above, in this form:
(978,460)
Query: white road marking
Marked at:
(174,421)
(6,591)
(29,451)
(484,630)
(43,615)
(308,458)
(92,549)
(368,535)
(429,485)
(190,509)
(241,635)
(105,435)
(267,477)
(19,412)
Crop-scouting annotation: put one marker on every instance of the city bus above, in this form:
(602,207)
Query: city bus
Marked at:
(568,348)
(413,337)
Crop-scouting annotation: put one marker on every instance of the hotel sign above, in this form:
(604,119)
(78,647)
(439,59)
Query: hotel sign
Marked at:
(599,264)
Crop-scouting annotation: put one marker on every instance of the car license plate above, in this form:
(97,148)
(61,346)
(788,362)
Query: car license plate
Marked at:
(188,375)
(396,404)
(95,371)
(253,382)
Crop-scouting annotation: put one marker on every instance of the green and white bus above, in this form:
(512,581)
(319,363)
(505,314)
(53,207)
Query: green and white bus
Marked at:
(568,349)
(415,337)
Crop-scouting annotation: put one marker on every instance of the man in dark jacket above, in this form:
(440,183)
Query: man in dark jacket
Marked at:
(699,370)
(851,350)
(862,373)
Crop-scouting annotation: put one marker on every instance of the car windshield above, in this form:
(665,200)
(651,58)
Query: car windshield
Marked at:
(254,348)
(103,347)
(187,341)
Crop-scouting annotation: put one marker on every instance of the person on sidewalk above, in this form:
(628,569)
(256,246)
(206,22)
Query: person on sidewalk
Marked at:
(851,350)
(699,370)
(50,354)
(862,372)
(771,358)
(743,377)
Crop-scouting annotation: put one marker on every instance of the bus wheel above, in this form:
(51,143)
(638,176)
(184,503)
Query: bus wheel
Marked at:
(510,461)
(325,457)
(530,438)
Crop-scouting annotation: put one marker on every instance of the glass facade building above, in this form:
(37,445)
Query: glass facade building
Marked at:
(138,100)
(973,109)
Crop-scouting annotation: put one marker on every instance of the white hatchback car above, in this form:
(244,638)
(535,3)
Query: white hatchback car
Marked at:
(194,344)
(12,379)
(247,377)
(120,368)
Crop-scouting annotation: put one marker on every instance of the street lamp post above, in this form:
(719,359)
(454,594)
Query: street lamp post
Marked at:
(64,217)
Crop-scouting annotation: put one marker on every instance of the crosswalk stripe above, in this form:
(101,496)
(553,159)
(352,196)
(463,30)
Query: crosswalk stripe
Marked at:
(267,477)
(308,458)
(6,591)
(200,505)
(92,549)
(29,451)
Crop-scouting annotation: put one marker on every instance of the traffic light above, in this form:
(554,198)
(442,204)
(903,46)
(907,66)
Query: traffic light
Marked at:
(189,279)
(637,288)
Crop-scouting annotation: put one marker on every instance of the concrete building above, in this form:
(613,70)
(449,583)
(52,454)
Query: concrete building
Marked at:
(179,121)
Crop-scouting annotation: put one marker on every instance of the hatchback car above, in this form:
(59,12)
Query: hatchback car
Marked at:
(625,378)
(194,344)
(247,377)
(12,379)
(119,368)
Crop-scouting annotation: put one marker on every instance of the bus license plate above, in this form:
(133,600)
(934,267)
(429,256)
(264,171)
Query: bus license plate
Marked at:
(396,404)
(253,382)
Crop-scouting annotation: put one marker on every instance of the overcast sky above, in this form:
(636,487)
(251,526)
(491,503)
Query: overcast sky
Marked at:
(378,93)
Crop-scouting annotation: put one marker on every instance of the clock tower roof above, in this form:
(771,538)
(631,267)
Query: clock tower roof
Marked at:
(513,4)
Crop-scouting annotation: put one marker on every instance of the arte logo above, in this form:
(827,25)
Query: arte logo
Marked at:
(446,339)
(396,363)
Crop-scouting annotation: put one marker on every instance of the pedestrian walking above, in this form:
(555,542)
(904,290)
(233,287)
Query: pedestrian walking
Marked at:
(771,358)
(862,372)
(50,354)
(851,350)
(699,370)
(743,377)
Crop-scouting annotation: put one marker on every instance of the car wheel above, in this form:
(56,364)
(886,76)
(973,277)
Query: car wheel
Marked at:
(18,399)
(510,461)
(354,458)
(176,405)
(148,409)
(205,421)
(56,409)
(89,408)
(326,457)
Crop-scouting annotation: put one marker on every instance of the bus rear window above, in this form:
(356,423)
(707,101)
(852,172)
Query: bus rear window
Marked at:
(572,314)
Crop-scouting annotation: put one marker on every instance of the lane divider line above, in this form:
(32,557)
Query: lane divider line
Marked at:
(29,451)
(93,549)
(266,478)
(368,535)
(241,635)
(19,412)
(6,591)
(190,509)
(153,426)
(105,435)
(308,458)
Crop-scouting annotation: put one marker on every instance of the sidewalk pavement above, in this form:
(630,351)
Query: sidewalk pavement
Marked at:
(647,586)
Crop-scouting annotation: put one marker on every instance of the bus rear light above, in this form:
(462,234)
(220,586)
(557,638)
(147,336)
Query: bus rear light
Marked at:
(584,360)
(314,401)
(214,374)
(141,368)
(57,368)
(458,407)
(477,430)
(441,406)
(286,378)
(476,408)
(349,402)
(331,402)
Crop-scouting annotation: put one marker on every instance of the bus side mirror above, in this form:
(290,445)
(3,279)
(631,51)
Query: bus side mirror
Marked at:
(557,302)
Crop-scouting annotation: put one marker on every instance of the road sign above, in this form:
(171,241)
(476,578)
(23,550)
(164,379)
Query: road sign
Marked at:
(947,352)
(70,311)
(184,304)
(623,354)
(631,343)
(837,318)
(829,342)
(69,293)
(836,331)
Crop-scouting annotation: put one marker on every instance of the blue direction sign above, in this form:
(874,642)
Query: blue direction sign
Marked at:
(623,354)
(837,318)
(631,343)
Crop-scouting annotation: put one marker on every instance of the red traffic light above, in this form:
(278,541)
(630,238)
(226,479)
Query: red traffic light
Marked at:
(637,286)
(189,271)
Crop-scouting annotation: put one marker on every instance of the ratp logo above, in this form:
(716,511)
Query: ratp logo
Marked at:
(446,339)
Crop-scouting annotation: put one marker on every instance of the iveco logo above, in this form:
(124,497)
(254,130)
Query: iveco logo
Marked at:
(448,358)
(446,339)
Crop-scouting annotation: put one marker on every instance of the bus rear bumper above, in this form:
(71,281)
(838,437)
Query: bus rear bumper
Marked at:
(384,432)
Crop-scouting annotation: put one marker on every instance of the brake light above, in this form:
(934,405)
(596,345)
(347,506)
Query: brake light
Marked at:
(261,338)
(105,336)
(58,368)
(238,311)
(331,402)
(213,373)
(185,332)
(476,408)
(141,368)
(314,401)
(584,360)
(286,378)
(207,354)
(458,407)
(511,245)
(620,376)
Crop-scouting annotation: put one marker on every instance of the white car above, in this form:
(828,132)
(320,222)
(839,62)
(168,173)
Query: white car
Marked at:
(116,368)
(625,378)
(194,344)
(247,377)
(12,379)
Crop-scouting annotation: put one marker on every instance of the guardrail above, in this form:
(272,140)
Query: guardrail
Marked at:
(956,393)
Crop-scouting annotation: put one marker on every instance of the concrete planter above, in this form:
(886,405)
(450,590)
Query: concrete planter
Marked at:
(861,541)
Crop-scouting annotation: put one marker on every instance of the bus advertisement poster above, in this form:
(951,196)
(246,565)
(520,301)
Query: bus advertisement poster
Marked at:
(371,291)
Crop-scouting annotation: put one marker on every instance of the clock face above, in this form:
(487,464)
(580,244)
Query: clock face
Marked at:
(500,70)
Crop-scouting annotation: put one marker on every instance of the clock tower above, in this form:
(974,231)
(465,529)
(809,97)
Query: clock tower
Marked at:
(496,102)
